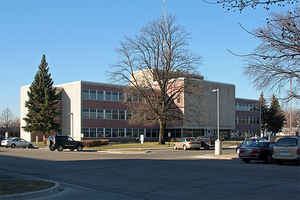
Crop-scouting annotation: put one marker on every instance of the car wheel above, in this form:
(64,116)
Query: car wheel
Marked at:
(279,162)
(60,148)
(79,148)
(175,147)
(184,148)
(13,146)
(246,160)
(268,159)
(52,148)
(206,147)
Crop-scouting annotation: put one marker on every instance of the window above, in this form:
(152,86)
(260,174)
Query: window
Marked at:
(121,132)
(128,115)
(148,132)
(135,98)
(121,97)
(85,113)
(108,114)
(85,94)
(129,132)
(115,132)
(128,98)
(135,132)
(100,132)
(100,95)
(107,132)
(100,114)
(93,114)
(93,95)
(155,133)
(85,132)
(115,96)
(287,142)
(141,131)
(107,95)
(115,114)
(121,114)
(93,132)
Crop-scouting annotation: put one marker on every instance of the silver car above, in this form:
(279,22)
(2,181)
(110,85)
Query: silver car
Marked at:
(287,149)
(16,142)
(187,143)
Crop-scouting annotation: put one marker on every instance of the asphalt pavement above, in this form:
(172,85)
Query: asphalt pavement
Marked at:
(161,174)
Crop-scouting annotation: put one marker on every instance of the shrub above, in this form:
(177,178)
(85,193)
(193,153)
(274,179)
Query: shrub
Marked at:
(95,143)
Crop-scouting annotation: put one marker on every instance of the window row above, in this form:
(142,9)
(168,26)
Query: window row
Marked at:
(93,113)
(247,120)
(246,107)
(119,132)
(101,95)
(105,95)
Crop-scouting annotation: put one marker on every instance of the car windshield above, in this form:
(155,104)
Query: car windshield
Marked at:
(284,142)
(258,144)
(248,142)
(190,139)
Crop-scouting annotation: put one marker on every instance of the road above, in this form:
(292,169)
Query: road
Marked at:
(154,175)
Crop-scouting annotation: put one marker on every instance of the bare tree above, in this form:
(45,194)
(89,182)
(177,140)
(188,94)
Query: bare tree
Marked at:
(6,118)
(276,61)
(242,4)
(151,64)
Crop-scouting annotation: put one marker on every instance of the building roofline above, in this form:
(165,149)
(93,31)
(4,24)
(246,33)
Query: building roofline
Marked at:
(212,82)
(256,100)
(104,84)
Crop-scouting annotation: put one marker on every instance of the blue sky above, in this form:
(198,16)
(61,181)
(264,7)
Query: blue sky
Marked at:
(80,39)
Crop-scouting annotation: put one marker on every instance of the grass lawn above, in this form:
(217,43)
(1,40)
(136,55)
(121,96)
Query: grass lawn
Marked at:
(147,145)
(21,186)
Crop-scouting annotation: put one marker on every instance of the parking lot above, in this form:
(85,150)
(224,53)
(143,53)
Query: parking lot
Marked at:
(163,154)
(159,174)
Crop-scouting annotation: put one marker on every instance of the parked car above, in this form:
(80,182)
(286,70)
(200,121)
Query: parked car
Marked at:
(64,142)
(2,138)
(16,142)
(248,141)
(287,149)
(256,151)
(207,142)
(187,143)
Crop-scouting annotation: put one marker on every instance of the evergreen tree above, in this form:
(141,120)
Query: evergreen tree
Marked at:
(276,117)
(42,103)
(263,113)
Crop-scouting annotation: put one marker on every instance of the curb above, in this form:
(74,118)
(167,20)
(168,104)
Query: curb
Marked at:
(30,195)
(217,157)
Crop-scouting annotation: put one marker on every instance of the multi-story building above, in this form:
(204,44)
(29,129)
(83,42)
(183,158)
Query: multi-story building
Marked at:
(92,110)
(247,120)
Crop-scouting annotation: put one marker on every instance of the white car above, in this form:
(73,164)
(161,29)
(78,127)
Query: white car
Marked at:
(16,142)
(187,143)
(287,149)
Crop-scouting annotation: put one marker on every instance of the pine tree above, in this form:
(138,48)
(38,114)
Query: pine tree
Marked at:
(276,117)
(263,113)
(42,103)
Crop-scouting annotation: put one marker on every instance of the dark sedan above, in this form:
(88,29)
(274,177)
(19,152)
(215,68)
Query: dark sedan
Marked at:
(256,151)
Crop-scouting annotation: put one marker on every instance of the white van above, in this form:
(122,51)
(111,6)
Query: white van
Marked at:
(287,149)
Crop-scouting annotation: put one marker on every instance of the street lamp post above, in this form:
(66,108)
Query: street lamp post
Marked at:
(218,144)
